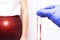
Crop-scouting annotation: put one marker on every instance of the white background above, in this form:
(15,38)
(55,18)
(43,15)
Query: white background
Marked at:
(32,29)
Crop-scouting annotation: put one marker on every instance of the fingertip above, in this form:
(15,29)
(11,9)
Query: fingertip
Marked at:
(38,13)
(50,7)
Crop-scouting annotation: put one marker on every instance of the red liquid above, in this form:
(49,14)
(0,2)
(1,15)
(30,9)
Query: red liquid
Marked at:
(10,27)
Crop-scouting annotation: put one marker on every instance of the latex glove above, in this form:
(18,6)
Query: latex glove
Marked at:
(52,12)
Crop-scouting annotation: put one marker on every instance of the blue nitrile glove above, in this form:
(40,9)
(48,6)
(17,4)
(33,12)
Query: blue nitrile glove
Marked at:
(52,12)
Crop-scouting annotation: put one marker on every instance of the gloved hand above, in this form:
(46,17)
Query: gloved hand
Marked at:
(52,12)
